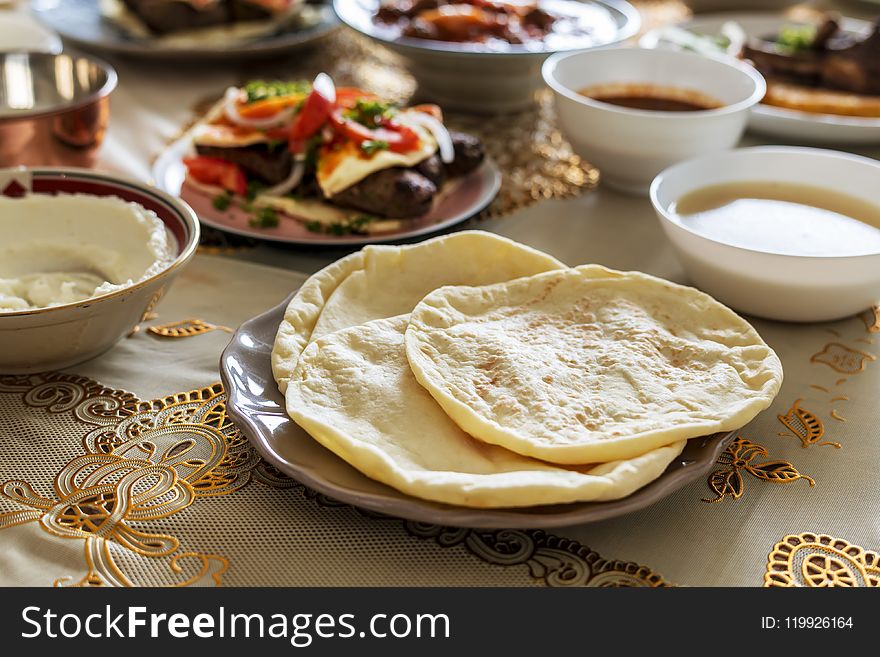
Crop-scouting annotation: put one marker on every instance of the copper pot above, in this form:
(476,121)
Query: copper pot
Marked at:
(54,109)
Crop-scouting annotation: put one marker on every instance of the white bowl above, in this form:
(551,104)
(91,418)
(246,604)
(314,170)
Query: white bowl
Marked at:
(467,76)
(60,336)
(632,146)
(784,287)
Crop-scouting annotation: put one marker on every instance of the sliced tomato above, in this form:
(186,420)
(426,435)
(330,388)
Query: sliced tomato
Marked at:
(399,138)
(313,115)
(347,97)
(214,171)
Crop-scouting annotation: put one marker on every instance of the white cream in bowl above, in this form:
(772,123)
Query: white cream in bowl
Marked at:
(63,249)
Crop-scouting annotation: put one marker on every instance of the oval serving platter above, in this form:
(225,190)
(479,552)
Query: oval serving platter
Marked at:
(257,406)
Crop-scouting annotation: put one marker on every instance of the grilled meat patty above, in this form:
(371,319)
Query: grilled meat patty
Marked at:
(394,193)
(432,169)
(469,154)
(271,165)
(164,16)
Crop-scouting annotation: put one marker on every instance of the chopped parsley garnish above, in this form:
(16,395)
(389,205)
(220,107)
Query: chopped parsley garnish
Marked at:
(222,201)
(370,113)
(796,38)
(258,90)
(371,146)
(254,187)
(264,218)
(339,228)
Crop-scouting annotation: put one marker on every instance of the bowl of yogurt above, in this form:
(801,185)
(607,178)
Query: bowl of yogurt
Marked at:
(784,233)
(83,257)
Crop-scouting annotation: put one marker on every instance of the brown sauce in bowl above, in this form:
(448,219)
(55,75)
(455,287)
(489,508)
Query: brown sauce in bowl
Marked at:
(651,97)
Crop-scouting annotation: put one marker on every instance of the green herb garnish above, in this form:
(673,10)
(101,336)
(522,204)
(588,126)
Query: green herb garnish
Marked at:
(254,187)
(370,112)
(222,201)
(264,218)
(374,146)
(339,228)
(258,90)
(796,38)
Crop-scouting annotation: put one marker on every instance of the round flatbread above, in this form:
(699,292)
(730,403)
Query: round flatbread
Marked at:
(574,366)
(385,281)
(353,391)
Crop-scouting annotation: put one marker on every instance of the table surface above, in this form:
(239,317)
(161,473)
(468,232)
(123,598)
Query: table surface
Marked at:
(763,510)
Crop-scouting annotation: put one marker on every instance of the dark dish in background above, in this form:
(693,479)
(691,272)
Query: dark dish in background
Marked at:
(54,109)
(820,68)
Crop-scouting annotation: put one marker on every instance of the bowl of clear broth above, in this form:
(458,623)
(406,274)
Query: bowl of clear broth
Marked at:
(633,112)
(783,233)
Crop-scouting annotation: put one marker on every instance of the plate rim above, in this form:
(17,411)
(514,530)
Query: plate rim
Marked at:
(414,509)
(488,169)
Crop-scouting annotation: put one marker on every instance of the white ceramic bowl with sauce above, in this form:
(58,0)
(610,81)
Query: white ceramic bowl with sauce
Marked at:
(631,146)
(58,336)
(797,288)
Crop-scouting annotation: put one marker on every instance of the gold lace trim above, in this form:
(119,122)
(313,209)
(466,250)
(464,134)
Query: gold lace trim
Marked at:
(819,561)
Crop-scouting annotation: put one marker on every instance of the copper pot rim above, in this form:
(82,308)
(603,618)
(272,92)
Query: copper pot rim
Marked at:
(99,94)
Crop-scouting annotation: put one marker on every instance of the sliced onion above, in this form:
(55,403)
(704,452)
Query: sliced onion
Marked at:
(230,108)
(438,130)
(736,35)
(292,180)
(323,84)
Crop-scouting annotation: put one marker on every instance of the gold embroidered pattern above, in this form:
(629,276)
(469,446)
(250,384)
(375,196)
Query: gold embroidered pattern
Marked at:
(551,559)
(740,456)
(148,461)
(144,461)
(148,314)
(872,319)
(87,400)
(842,359)
(819,560)
(804,425)
(186,328)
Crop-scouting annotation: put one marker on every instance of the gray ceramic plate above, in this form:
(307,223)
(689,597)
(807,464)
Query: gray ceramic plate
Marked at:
(257,406)
(81,23)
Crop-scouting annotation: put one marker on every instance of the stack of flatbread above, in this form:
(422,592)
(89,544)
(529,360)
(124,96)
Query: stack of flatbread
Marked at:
(475,371)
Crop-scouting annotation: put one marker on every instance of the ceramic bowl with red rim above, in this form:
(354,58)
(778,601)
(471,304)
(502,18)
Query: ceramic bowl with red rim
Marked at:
(83,257)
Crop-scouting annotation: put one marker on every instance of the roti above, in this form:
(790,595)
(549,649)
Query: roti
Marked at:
(384,281)
(580,366)
(354,392)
